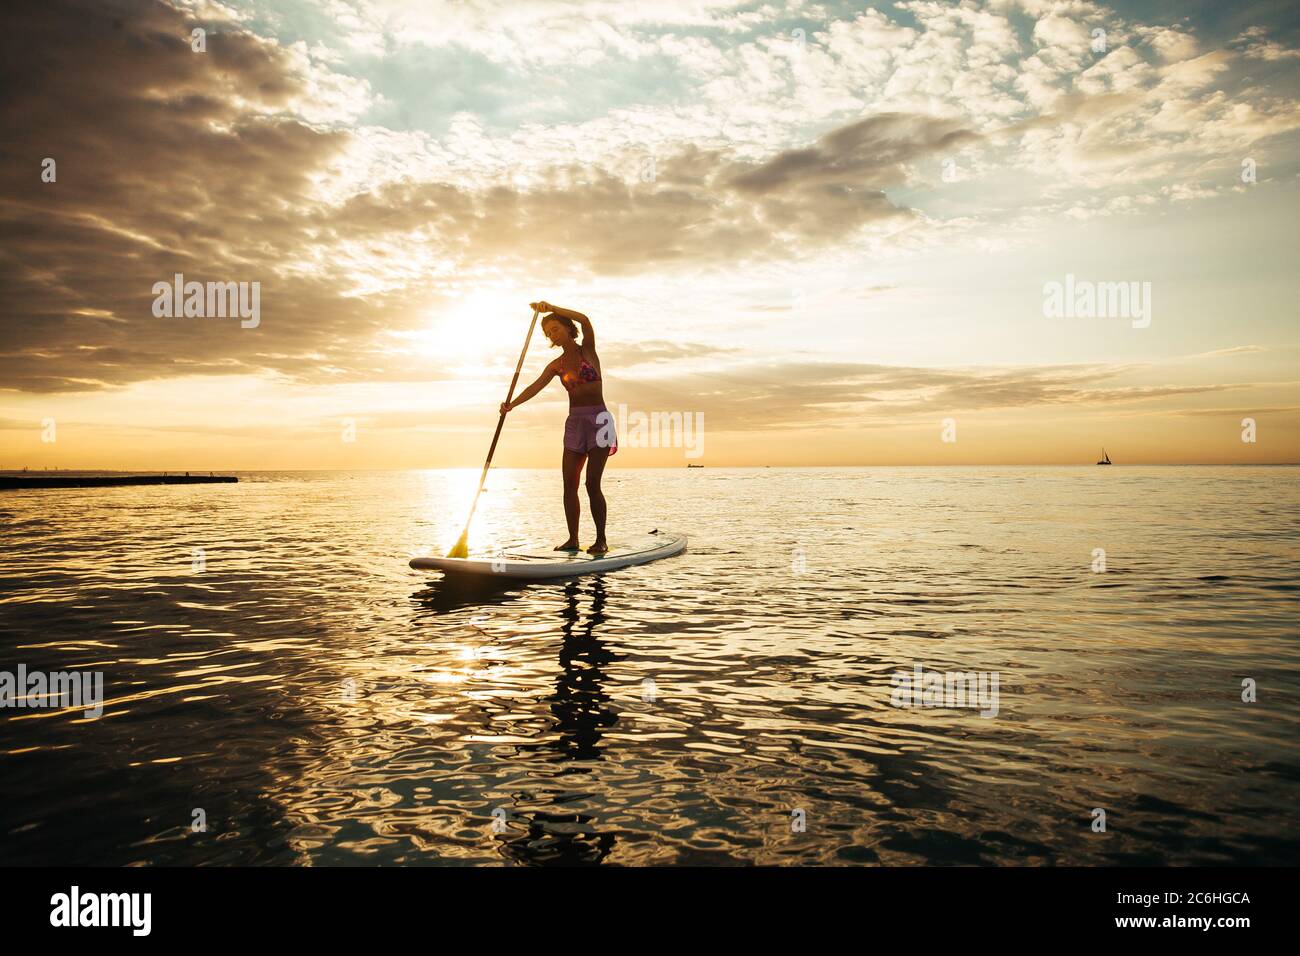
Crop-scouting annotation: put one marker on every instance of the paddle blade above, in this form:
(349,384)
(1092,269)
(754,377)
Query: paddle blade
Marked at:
(461,548)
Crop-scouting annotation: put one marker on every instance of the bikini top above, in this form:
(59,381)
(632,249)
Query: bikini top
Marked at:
(586,373)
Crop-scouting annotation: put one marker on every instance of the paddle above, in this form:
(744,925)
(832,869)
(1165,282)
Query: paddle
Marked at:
(461,548)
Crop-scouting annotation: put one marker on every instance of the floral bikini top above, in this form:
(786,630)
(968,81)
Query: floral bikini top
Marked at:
(586,373)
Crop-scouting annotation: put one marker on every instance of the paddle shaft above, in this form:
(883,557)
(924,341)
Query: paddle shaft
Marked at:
(510,392)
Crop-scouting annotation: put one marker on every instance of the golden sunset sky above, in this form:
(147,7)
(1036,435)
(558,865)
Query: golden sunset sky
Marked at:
(826,227)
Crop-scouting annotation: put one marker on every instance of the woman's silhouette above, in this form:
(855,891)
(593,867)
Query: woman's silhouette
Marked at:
(589,430)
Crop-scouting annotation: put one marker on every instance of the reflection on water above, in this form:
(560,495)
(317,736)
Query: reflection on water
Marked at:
(317,702)
(583,712)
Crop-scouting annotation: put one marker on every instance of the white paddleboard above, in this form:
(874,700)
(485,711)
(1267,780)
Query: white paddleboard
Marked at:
(542,562)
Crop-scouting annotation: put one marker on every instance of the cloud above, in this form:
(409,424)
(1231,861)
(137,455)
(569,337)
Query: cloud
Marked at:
(249,162)
(795,394)
(868,153)
(203,164)
(1238,413)
(1234,350)
(656,351)
(168,161)
(1257,46)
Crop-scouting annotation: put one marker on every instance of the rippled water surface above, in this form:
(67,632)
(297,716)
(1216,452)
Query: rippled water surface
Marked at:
(322,703)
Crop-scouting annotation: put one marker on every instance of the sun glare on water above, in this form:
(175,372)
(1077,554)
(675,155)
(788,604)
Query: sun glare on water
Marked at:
(450,492)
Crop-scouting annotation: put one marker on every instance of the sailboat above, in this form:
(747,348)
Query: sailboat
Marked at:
(1105,458)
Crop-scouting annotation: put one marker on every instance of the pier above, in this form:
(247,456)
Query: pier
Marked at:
(14,482)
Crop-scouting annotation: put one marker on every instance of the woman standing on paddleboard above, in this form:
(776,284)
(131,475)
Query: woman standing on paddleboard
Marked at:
(589,430)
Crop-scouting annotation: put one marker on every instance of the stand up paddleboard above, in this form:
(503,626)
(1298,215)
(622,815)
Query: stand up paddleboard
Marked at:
(544,562)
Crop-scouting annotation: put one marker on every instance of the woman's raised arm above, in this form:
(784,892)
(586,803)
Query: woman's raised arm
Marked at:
(588,330)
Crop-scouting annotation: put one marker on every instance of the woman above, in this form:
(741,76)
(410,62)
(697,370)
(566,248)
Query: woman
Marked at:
(589,430)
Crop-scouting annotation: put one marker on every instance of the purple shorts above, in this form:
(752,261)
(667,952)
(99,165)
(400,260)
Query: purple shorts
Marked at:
(588,427)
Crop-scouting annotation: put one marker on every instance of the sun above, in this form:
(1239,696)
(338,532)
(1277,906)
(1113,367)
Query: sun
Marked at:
(472,331)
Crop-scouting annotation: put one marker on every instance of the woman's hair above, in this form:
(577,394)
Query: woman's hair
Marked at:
(565,321)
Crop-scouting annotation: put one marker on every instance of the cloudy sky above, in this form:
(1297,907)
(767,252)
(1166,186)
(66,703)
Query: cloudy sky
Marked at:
(827,227)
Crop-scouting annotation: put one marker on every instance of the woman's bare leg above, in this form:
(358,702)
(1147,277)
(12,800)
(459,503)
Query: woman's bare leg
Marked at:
(571,468)
(596,460)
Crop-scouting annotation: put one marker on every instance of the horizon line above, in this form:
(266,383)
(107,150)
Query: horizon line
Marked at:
(1018,464)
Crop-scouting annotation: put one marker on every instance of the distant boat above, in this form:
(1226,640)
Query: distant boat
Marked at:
(694,466)
(1105,458)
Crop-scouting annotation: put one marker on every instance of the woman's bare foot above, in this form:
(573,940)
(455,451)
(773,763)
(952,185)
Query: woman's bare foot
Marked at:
(569,545)
(600,547)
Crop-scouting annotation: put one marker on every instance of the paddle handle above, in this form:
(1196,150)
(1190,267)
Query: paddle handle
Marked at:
(510,392)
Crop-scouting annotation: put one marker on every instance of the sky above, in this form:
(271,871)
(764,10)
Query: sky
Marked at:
(830,233)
